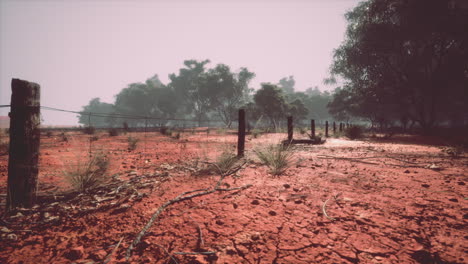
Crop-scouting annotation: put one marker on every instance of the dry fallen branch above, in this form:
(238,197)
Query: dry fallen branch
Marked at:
(324,206)
(109,257)
(195,253)
(182,197)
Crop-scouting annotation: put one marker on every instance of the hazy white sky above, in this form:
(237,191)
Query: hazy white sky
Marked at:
(78,50)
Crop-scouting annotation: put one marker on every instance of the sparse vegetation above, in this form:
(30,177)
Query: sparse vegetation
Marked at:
(132,143)
(90,130)
(63,137)
(176,135)
(94,138)
(278,158)
(454,151)
(354,132)
(113,132)
(226,161)
(89,174)
(256,133)
(49,134)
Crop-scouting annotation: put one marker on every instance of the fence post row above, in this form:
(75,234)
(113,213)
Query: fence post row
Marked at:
(241,134)
(23,159)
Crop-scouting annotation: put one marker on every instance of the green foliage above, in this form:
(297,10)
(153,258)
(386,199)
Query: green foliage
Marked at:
(403,61)
(132,143)
(271,103)
(95,106)
(354,132)
(89,174)
(278,158)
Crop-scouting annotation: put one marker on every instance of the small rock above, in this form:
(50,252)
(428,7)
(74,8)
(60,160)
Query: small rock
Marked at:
(272,213)
(461,183)
(255,236)
(435,167)
(255,202)
(132,167)
(75,253)
(12,237)
(296,189)
(235,206)
(407,171)
(298,201)
(287,186)
(219,222)
(453,200)
(425,185)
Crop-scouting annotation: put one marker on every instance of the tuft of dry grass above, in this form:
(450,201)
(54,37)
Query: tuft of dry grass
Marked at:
(277,157)
(89,174)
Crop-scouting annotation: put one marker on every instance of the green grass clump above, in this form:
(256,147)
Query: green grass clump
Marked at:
(225,162)
(278,158)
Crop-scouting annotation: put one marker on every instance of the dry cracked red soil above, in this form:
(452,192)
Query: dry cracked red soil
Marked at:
(362,201)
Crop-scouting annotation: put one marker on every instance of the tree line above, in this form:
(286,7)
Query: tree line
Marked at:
(200,93)
(404,63)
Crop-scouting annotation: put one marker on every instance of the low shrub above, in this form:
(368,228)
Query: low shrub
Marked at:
(132,143)
(113,132)
(89,174)
(226,161)
(63,137)
(278,158)
(49,134)
(90,130)
(354,132)
(94,138)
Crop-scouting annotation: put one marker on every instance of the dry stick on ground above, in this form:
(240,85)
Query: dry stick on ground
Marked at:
(360,159)
(182,197)
(109,257)
(324,207)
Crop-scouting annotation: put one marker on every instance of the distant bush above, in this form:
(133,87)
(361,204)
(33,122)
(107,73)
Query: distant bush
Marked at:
(125,126)
(94,138)
(176,135)
(90,130)
(113,132)
(89,174)
(132,143)
(49,134)
(354,132)
(278,158)
(165,131)
(63,137)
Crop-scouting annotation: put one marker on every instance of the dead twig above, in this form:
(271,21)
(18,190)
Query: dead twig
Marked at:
(324,210)
(195,253)
(109,257)
(182,197)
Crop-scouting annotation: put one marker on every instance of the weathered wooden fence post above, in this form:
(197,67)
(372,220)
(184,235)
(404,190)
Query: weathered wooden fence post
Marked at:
(341,126)
(334,127)
(326,128)
(312,128)
(241,134)
(24,144)
(290,128)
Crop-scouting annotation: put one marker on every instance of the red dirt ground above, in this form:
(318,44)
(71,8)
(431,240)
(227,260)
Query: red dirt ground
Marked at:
(385,203)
